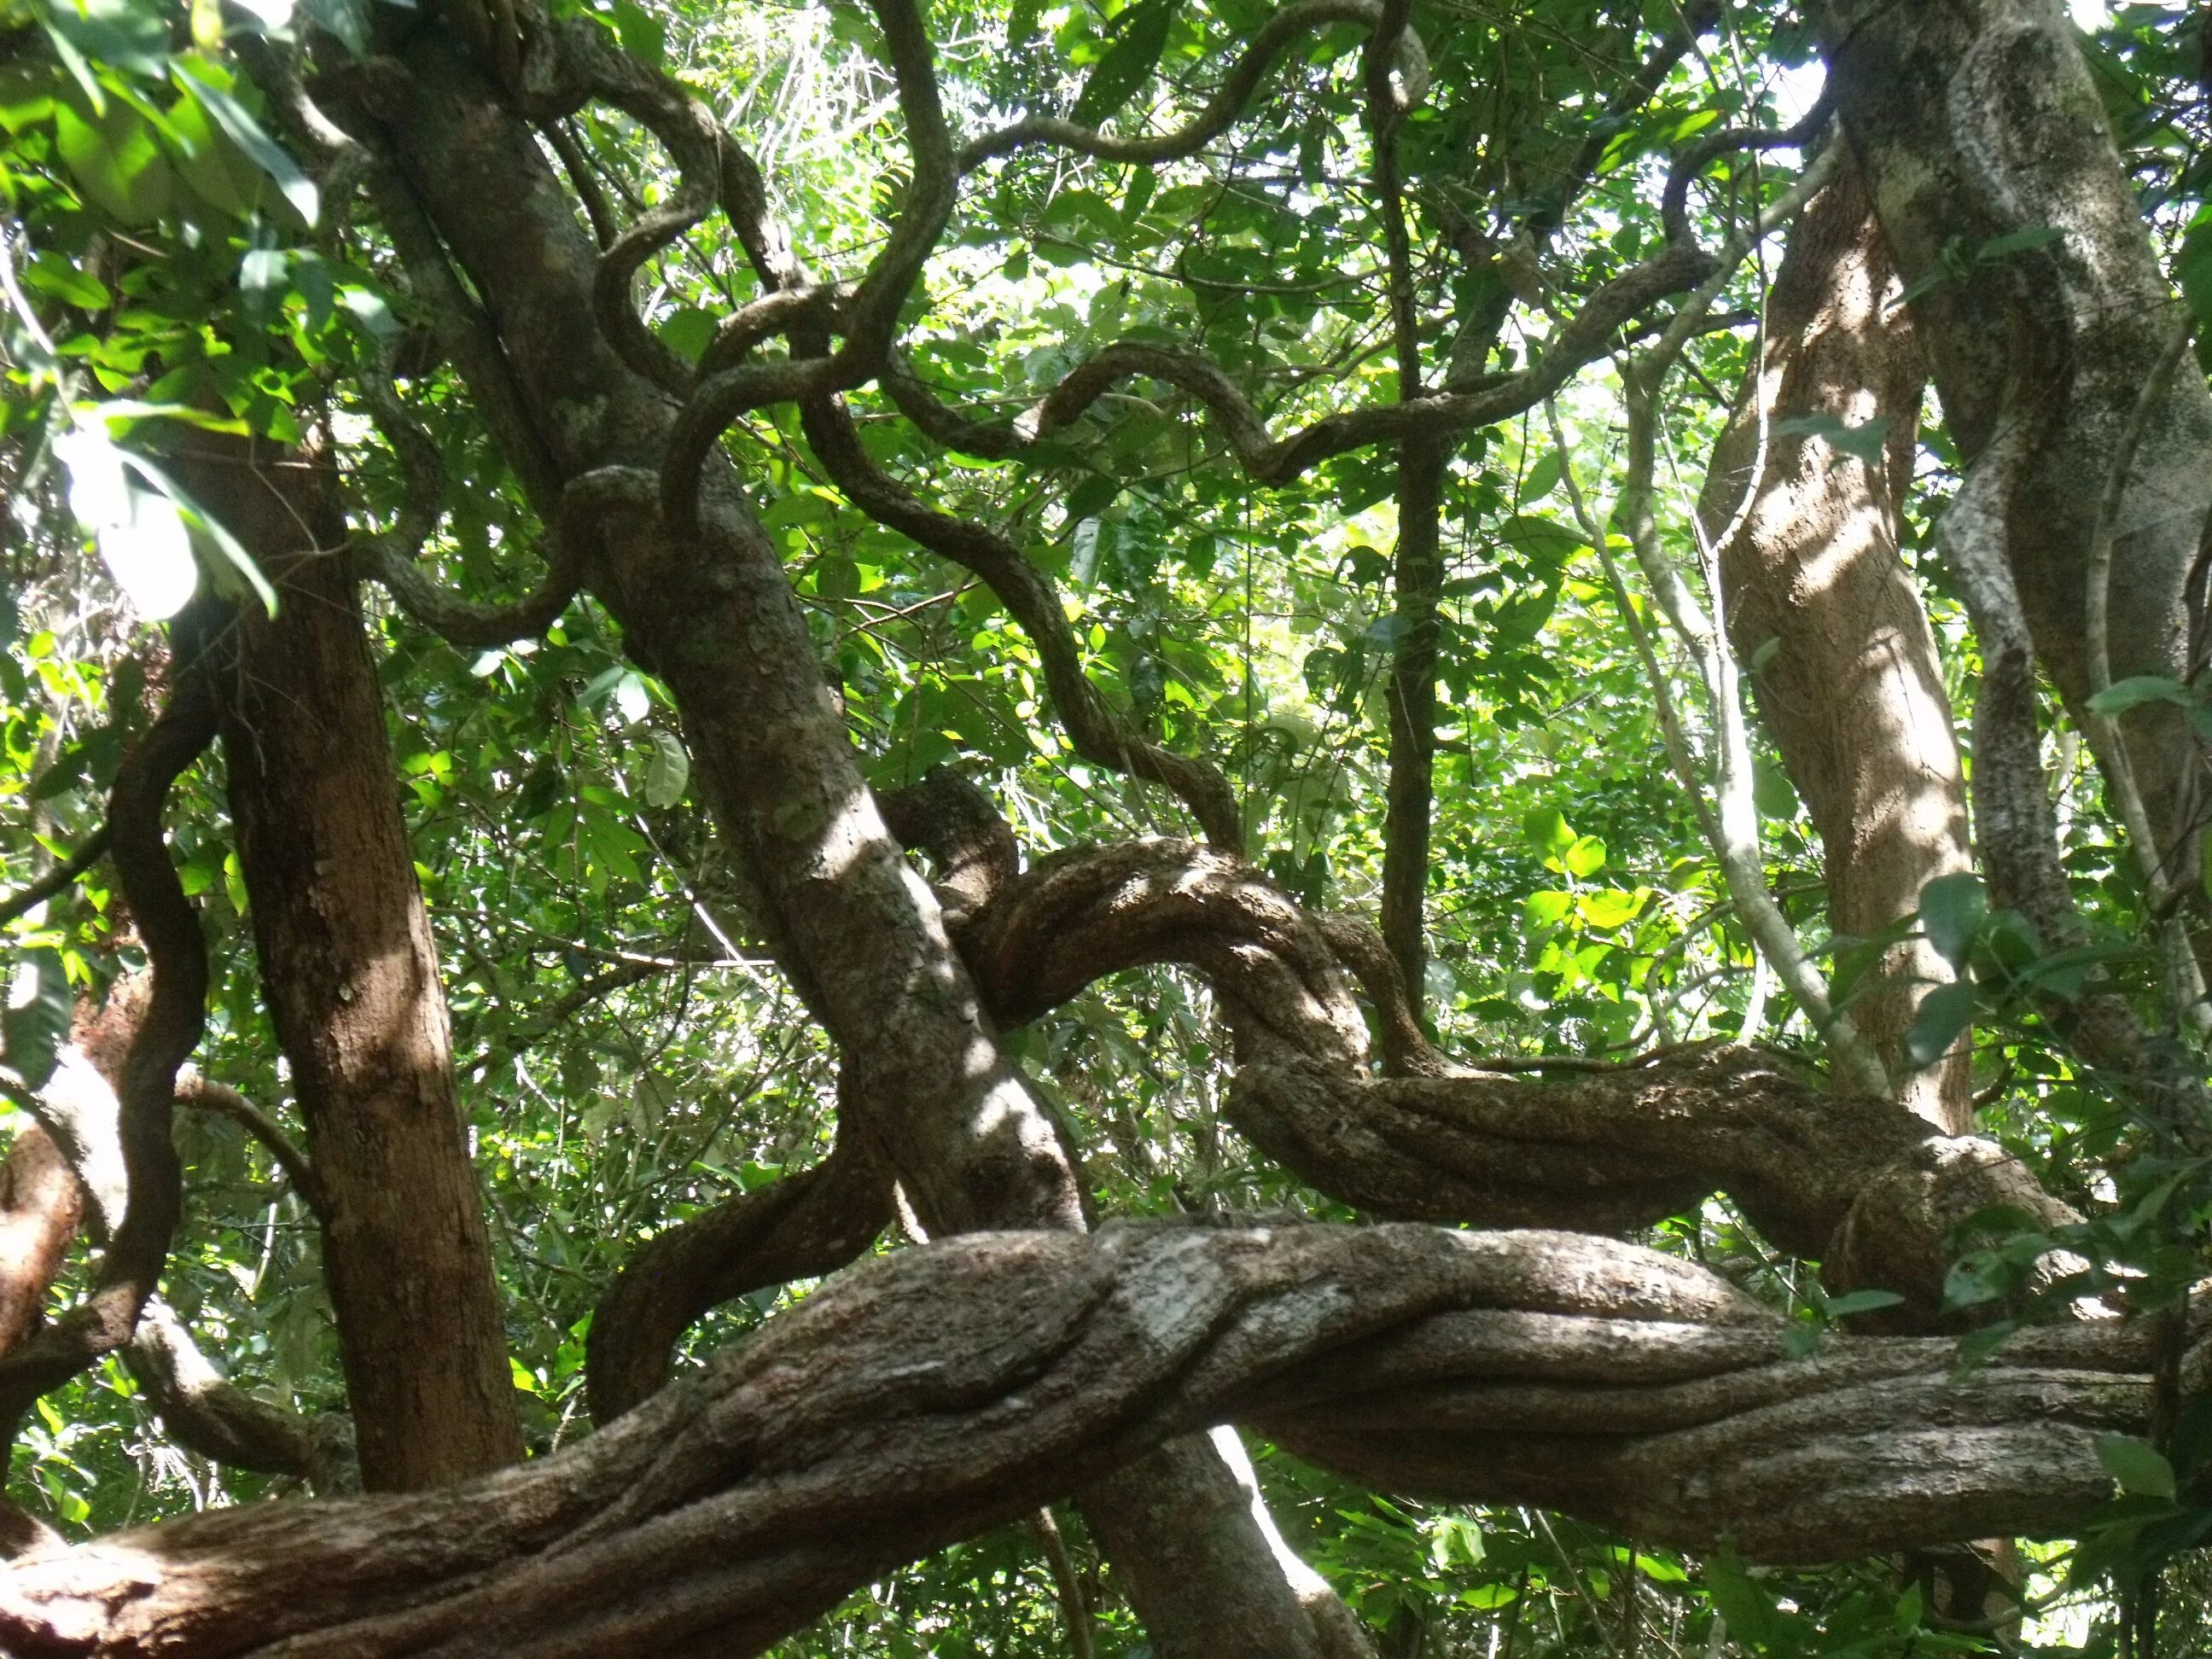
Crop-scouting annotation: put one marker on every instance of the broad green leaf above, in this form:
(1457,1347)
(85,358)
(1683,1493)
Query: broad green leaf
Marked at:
(51,274)
(1860,1302)
(2140,1469)
(643,35)
(1546,828)
(1864,443)
(1944,1013)
(1610,908)
(1585,858)
(36,1022)
(1951,910)
(115,161)
(1543,477)
(1748,1605)
(667,770)
(1547,907)
(295,187)
(1128,63)
(2132,693)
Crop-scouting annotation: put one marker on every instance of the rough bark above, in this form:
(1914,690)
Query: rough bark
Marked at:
(938,1391)
(709,609)
(1862,1184)
(40,1211)
(1825,619)
(1417,579)
(350,974)
(200,1409)
(1976,120)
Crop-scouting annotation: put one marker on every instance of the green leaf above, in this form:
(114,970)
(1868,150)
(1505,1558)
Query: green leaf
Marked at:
(2192,266)
(51,274)
(1585,858)
(1772,793)
(36,1022)
(2132,693)
(687,331)
(2140,1469)
(2024,240)
(115,162)
(643,36)
(1547,909)
(293,185)
(1951,910)
(1944,1013)
(1746,1603)
(1128,63)
(238,572)
(667,770)
(1612,908)
(1546,826)
(1543,477)
(1864,442)
(1859,1301)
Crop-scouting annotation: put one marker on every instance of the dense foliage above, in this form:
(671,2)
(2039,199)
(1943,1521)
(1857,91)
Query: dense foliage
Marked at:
(629,1053)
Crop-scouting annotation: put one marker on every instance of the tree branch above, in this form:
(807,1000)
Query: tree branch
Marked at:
(57,880)
(1871,1190)
(40,1209)
(206,1095)
(138,1244)
(1236,91)
(1095,730)
(801,1226)
(941,1390)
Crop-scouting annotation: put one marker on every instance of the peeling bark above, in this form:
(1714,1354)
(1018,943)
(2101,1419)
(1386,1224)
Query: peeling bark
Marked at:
(350,973)
(1825,618)
(938,1391)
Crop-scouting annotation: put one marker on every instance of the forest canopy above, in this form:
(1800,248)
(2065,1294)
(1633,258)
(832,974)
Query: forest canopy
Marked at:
(1346,830)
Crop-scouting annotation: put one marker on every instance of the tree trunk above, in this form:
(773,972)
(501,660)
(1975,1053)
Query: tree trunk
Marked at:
(1418,578)
(1974,120)
(350,973)
(713,614)
(1824,617)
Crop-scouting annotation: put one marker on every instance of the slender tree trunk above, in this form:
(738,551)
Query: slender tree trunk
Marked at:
(350,974)
(1995,174)
(713,614)
(1418,578)
(1824,618)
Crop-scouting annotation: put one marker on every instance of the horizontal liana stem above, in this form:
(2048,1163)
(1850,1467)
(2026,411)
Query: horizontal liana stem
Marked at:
(920,1397)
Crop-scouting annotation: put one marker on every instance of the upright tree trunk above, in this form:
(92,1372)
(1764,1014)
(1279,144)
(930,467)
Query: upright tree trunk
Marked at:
(1977,121)
(713,613)
(350,974)
(1824,618)
(1418,578)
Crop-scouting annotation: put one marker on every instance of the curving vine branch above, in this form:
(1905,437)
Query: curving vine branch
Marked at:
(923,1397)
(138,1243)
(1095,730)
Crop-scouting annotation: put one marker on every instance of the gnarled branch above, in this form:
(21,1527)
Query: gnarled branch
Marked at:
(929,1394)
(799,1227)
(1095,730)
(1867,1187)
(57,879)
(138,1243)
